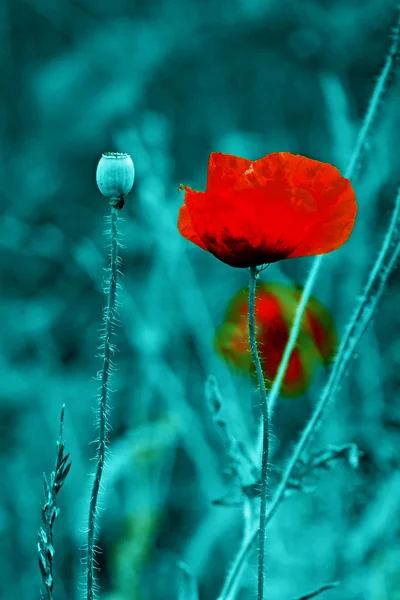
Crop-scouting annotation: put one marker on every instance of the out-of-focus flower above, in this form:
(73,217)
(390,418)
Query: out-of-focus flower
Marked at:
(281,206)
(275,309)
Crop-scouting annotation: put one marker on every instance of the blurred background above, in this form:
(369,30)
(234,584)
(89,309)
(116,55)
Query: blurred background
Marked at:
(170,81)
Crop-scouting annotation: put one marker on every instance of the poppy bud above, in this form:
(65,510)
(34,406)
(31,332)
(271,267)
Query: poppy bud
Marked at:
(115,175)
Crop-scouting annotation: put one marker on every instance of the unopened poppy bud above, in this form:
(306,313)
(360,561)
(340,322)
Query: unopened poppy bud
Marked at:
(115,175)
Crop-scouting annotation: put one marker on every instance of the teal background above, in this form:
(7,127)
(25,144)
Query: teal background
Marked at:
(169,82)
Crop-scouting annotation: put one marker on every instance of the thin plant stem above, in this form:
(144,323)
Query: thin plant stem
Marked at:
(360,144)
(104,376)
(264,425)
(375,99)
(363,314)
(361,318)
(323,588)
(349,173)
(50,513)
(273,395)
(250,521)
(364,311)
(244,469)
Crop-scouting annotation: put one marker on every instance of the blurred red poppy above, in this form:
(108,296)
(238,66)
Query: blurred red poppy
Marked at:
(275,309)
(281,206)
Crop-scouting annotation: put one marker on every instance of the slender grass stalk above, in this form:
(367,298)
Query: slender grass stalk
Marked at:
(294,331)
(50,513)
(363,313)
(350,171)
(250,522)
(323,588)
(362,316)
(265,428)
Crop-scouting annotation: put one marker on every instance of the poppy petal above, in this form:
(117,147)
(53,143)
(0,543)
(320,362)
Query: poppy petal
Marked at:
(317,320)
(323,329)
(241,230)
(225,172)
(185,227)
(298,376)
(319,191)
(280,206)
(231,342)
(335,223)
(302,363)
(275,308)
(236,309)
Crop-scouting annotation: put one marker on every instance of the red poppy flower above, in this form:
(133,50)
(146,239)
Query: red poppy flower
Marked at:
(275,309)
(280,206)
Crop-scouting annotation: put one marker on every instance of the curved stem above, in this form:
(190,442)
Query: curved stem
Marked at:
(363,314)
(108,349)
(294,332)
(349,174)
(265,428)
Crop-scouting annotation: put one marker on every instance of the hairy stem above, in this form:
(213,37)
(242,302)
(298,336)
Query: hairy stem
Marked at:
(265,428)
(104,375)
(365,130)
(363,314)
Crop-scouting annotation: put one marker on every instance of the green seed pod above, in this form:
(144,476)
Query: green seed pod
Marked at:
(115,175)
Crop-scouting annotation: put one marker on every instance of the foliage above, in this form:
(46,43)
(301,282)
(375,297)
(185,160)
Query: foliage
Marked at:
(168,82)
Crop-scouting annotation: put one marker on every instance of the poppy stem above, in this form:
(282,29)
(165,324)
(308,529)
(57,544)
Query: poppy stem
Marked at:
(104,374)
(265,428)
(350,172)
(386,261)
